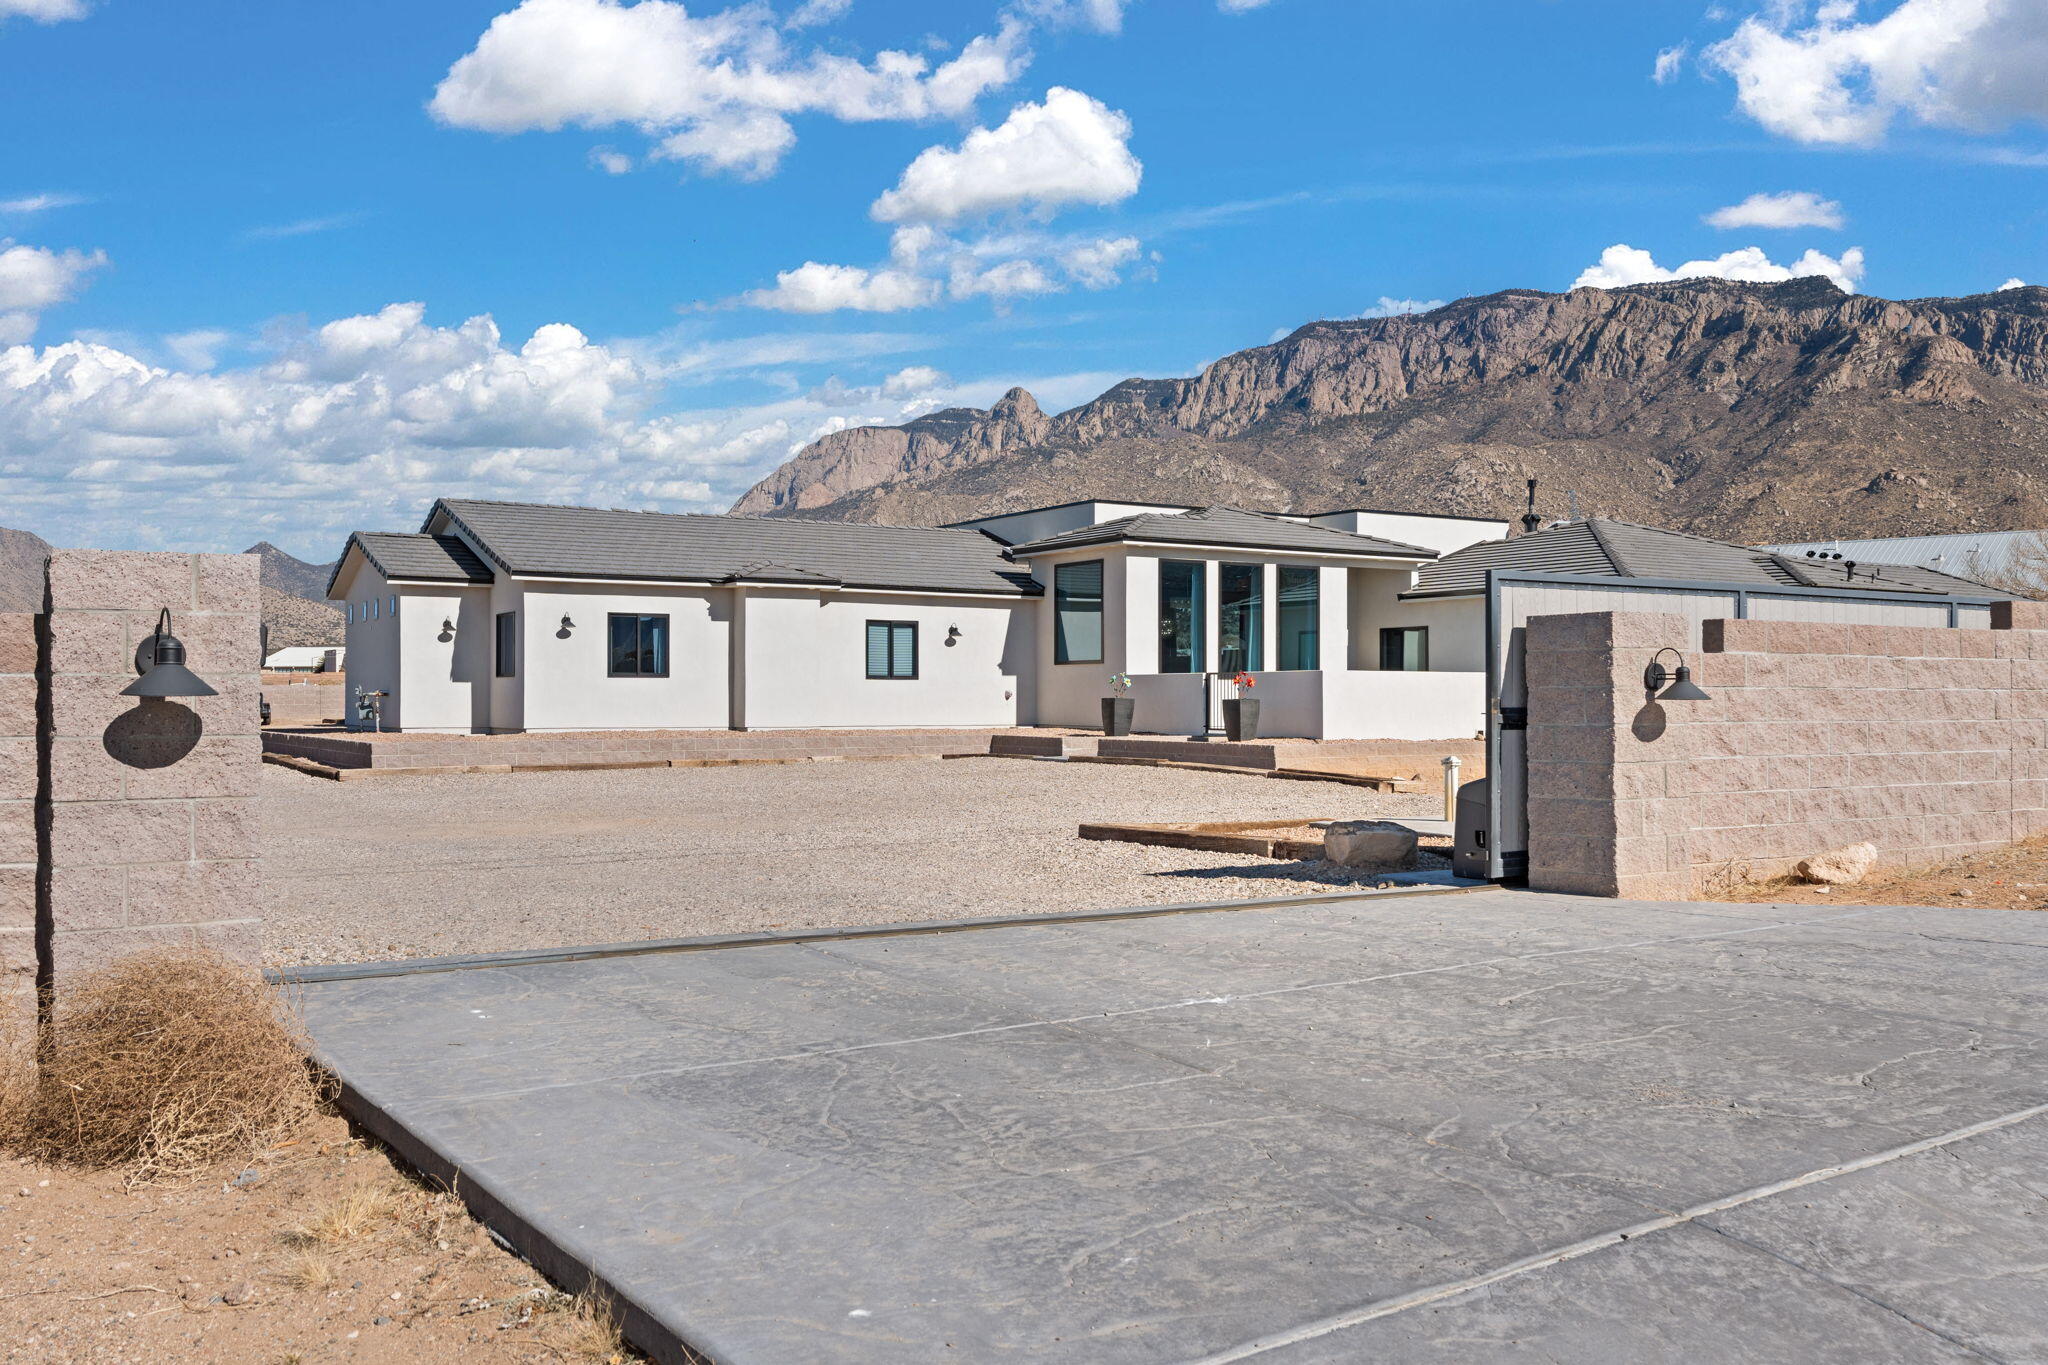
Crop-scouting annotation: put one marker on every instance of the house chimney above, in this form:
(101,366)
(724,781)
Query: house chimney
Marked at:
(1532,521)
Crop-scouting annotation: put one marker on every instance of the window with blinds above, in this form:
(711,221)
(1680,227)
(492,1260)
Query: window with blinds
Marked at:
(892,649)
(1077,613)
(639,646)
(508,644)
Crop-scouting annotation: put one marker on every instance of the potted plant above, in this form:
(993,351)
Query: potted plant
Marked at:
(1241,713)
(1117,708)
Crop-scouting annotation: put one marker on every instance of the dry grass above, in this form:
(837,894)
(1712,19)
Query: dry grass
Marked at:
(360,1211)
(583,1328)
(309,1270)
(162,1064)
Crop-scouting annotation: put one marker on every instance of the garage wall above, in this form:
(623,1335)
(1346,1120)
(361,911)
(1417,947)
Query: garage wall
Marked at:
(1927,743)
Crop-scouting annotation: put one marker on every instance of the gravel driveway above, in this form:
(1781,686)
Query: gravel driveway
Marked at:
(409,867)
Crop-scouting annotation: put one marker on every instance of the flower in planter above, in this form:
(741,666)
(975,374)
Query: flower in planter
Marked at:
(1244,679)
(1119,683)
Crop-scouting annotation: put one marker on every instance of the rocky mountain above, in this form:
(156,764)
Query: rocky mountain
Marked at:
(288,573)
(295,606)
(1751,412)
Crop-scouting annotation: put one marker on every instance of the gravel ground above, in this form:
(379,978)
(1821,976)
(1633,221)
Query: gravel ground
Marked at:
(410,867)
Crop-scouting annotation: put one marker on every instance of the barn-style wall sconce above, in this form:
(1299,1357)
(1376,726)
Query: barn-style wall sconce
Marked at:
(1682,687)
(161,662)
(447,630)
(952,635)
(567,624)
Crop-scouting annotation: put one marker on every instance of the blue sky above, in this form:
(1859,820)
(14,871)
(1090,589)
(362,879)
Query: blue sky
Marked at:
(285,271)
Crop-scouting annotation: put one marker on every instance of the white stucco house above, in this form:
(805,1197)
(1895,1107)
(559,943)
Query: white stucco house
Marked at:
(500,617)
(504,617)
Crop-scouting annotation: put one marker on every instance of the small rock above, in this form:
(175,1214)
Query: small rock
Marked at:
(240,1293)
(248,1178)
(1839,867)
(380,1321)
(1369,843)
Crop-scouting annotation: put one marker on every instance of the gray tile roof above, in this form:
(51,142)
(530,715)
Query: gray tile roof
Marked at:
(593,542)
(434,559)
(1601,547)
(1226,526)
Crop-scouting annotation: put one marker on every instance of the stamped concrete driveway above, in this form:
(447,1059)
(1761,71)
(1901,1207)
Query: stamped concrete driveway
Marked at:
(1459,1127)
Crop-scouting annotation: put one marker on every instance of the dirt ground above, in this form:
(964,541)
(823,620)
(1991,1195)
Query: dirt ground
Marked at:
(2014,878)
(477,863)
(316,1251)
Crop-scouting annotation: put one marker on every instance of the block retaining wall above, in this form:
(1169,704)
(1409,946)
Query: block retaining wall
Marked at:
(1927,743)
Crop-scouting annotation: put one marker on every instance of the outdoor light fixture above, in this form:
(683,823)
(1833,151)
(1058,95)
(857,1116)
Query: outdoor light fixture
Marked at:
(952,634)
(161,662)
(567,624)
(1682,688)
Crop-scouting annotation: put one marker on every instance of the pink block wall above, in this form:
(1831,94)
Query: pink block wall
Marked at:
(1927,743)
(152,820)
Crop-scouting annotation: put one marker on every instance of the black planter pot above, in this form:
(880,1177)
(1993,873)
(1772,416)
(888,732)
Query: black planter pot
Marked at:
(1241,719)
(1116,715)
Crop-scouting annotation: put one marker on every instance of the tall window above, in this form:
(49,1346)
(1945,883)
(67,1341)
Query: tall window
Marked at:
(1077,613)
(892,649)
(1297,617)
(1182,613)
(508,644)
(1405,649)
(1240,618)
(639,646)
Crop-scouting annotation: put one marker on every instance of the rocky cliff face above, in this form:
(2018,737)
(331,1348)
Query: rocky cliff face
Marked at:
(1747,411)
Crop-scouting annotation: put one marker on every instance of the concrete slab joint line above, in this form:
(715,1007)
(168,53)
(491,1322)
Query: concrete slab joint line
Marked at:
(1337,1322)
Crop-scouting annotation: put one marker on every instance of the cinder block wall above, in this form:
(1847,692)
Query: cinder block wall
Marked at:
(18,701)
(1926,743)
(151,832)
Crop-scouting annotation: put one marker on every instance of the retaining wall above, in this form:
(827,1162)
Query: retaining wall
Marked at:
(340,749)
(1926,743)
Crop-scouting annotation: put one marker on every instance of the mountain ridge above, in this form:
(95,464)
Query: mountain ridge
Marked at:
(1742,411)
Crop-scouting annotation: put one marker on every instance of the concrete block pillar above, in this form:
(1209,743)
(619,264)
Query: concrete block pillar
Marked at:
(150,827)
(18,844)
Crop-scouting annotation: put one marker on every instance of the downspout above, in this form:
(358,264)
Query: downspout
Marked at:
(736,662)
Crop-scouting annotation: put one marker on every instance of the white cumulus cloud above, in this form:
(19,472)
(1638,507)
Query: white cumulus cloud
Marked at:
(1394,308)
(814,287)
(42,11)
(1790,209)
(1069,149)
(361,422)
(716,90)
(1668,64)
(33,278)
(2013,283)
(1820,75)
(1099,264)
(1621,265)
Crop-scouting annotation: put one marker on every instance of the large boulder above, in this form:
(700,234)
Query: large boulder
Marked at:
(1839,867)
(1369,843)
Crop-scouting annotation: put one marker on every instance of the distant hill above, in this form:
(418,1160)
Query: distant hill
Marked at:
(1750,412)
(288,573)
(294,600)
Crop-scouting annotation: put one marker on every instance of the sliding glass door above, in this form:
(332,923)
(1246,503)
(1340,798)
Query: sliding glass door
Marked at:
(1240,618)
(1299,609)
(1182,610)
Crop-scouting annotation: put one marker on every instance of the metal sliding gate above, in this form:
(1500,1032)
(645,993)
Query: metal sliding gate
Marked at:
(1512,598)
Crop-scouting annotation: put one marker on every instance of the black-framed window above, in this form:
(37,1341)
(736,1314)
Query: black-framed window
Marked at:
(1077,613)
(1183,615)
(639,645)
(508,644)
(1404,649)
(1240,618)
(1297,616)
(892,649)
